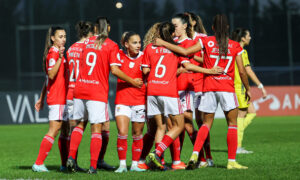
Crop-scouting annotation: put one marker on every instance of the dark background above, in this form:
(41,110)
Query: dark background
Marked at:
(274,26)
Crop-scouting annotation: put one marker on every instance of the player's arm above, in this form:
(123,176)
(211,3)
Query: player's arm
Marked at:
(198,59)
(177,49)
(40,102)
(115,70)
(243,75)
(191,67)
(53,72)
(254,78)
(146,70)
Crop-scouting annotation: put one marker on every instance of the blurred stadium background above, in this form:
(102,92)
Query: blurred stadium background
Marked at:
(273,51)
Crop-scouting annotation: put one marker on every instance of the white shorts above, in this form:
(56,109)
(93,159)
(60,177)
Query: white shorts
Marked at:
(70,107)
(197,99)
(187,99)
(58,112)
(209,101)
(134,113)
(95,111)
(163,105)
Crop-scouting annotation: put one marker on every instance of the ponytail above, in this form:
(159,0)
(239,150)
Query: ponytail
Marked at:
(83,28)
(166,29)
(102,27)
(238,34)
(221,26)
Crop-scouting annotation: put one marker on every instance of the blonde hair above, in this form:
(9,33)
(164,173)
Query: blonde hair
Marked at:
(102,28)
(152,33)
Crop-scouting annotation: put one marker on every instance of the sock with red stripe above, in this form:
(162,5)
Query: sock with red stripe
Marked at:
(45,148)
(105,140)
(175,150)
(232,141)
(137,146)
(76,137)
(163,145)
(207,147)
(96,143)
(63,145)
(201,137)
(122,147)
(148,140)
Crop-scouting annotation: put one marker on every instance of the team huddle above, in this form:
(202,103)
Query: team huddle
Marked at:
(181,71)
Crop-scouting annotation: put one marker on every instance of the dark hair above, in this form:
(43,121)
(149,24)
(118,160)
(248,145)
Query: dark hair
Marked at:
(102,23)
(184,18)
(199,27)
(238,34)
(126,36)
(83,28)
(49,42)
(166,29)
(221,26)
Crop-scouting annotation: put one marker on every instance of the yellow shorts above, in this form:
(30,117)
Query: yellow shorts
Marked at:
(241,95)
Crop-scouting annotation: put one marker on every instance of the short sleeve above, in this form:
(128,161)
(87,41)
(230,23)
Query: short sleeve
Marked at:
(52,58)
(239,49)
(146,60)
(183,59)
(115,59)
(245,58)
(202,42)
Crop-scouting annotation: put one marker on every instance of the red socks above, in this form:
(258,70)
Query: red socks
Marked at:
(147,145)
(232,141)
(105,139)
(175,150)
(163,145)
(122,147)
(63,145)
(137,146)
(201,137)
(45,147)
(76,137)
(96,142)
(207,147)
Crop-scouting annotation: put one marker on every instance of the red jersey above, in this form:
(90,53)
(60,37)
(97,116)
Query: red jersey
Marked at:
(56,88)
(198,77)
(126,93)
(74,56)
(162,79)
(223,82)
(92,81)
(185,80)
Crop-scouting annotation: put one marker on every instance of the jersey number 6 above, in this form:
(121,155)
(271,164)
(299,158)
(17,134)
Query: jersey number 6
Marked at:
(160,66)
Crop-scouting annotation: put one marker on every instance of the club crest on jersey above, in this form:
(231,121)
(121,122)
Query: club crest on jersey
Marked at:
(210,44)
(131,64)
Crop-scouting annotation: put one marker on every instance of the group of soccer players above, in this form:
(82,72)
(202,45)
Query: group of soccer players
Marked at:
(180,71)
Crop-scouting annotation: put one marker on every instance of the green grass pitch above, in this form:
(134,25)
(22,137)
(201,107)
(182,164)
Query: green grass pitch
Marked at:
(274,140)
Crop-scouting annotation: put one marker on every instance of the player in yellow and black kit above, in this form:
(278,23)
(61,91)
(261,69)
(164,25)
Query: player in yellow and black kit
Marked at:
(246,109)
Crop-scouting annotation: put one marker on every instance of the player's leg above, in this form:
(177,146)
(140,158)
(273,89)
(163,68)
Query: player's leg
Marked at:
(138,121)
(123,115)
(46,145)
(250,115)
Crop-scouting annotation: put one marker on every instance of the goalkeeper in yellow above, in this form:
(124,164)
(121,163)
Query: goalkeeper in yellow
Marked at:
(246,111)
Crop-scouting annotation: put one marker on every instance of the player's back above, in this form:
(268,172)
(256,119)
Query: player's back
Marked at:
(74,56)
(225,81)
(162,80)
(92,83)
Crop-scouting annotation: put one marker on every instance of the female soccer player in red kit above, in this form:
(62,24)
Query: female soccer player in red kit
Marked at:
(162,93)
(91,91)
(218,50)
(198,31)
(55,67)
(130,102)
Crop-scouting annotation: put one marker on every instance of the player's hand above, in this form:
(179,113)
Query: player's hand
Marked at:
(181,70)
(158,42)
(39,105)
(248,96)
(137,82)
(216,70)
(264,92)
(61,51)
